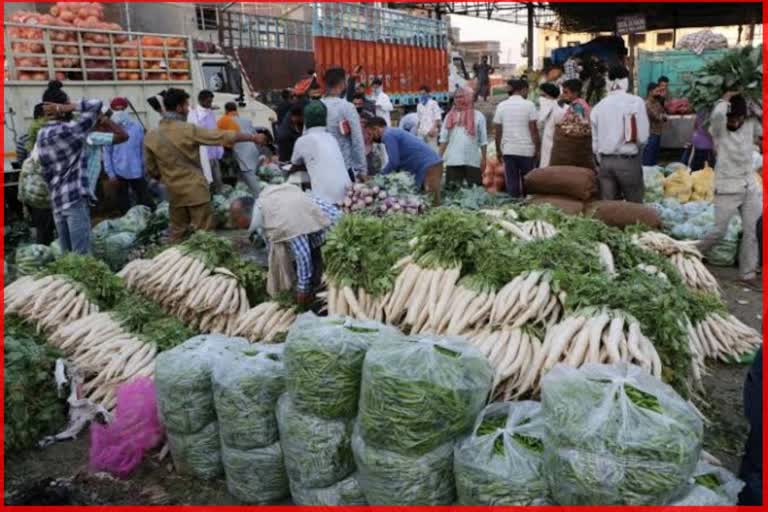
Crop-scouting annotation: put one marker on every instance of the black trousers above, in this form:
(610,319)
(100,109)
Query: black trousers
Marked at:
(42,220)
(140,190)
(751,471)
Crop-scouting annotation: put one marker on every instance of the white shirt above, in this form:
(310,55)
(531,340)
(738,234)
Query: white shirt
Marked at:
(463,149)
(319,152)
(611,124)
(428,114)
(384,107)
(734,166)
(549,114)
(514,115)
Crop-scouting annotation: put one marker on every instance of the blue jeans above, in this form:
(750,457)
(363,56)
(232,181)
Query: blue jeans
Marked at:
(515,169)
(74,228)
(651,151)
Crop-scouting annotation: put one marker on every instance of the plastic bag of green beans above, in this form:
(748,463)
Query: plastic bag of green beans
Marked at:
(346,492)
(183,382)
(246,386)
(389,478)
(616,436)
(317,451)
(420,393)
(255,476)
(500,463)
(324,361)
(198,454)
(711,486)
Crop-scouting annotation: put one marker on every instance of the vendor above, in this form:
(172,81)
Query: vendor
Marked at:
(294,225)
(407,152)
(736,191)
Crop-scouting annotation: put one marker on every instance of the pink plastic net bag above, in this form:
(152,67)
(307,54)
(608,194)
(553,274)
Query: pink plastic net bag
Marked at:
(119,446)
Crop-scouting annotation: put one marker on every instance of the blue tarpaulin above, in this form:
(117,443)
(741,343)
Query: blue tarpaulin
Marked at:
(607,48)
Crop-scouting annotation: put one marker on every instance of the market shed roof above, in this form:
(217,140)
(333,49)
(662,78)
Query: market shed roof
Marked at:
(601,17)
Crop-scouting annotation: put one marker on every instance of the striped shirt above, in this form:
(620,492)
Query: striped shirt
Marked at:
(63,159)
(302,246)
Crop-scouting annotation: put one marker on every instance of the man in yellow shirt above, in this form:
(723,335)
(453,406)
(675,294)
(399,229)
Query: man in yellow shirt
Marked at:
(172,154)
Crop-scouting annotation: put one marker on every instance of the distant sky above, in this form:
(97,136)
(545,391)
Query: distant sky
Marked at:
(510,36)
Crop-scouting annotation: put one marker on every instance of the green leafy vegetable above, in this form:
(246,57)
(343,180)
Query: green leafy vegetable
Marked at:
(100,285)
(324,361)
(32,406)
(414,398)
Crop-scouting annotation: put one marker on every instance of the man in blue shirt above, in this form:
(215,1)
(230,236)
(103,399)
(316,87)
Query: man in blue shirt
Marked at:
(409,153)
(124,163)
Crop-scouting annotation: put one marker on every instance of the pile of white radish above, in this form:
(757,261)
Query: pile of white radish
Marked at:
(377,200)
(208,300)
(685,257)
(265,322)
(592,335)
(106,353)
(47,302)
(720,336)
(538,229)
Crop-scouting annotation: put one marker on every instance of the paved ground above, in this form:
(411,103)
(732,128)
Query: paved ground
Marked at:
(156,483)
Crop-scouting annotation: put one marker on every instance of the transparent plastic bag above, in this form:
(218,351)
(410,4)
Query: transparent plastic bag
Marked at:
(324,362)
(317,451)
(183,381)
(420,393)
(500,463)
(119,446)
(616,436)
(389,478)
(654,183)
(246,387)
(724,253)
(712,486)
(255,476)
(198,454)
(347,492)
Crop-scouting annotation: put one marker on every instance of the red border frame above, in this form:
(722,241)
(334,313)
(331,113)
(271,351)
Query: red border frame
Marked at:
(387,508)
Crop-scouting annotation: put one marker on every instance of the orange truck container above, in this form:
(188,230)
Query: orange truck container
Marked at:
(405,51)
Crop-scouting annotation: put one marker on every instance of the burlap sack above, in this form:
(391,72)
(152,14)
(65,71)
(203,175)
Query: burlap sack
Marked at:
(572,151)
(566,204)
(562,180)
(623,213)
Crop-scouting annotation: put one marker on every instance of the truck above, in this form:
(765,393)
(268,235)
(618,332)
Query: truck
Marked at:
(107,63)
(405,51)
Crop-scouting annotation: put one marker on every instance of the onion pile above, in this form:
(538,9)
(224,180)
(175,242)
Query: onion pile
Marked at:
(376,200)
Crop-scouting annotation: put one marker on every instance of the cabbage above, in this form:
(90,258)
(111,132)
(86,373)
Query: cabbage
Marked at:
(116,248)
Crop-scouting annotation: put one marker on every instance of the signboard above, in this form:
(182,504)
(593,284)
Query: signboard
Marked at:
(630,24)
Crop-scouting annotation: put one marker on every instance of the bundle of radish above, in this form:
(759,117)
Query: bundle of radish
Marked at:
(510,352)
(538,229)
(106,352)
(268,322)
(201,282)
(722,336)
(684,256)
(590,336)
(529,297)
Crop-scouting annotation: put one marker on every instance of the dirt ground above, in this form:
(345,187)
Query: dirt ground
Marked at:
(59,474)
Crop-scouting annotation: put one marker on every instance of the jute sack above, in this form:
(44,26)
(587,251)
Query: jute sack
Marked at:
(562,180)
(566,204)
(623,213)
